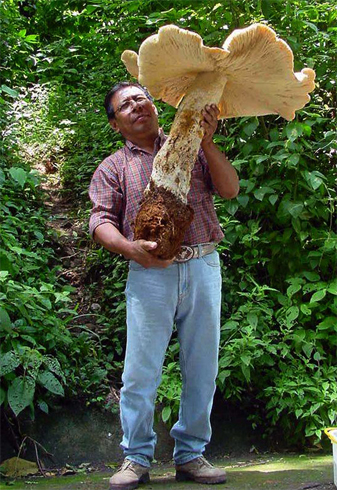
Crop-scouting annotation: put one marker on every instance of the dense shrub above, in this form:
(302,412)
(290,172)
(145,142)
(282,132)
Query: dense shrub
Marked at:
(40,356)
(278,343)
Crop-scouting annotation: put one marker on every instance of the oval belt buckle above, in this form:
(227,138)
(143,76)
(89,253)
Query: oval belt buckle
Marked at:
(185,253)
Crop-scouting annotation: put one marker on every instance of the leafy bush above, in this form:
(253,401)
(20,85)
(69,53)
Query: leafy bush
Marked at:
(40,357)
(278,342)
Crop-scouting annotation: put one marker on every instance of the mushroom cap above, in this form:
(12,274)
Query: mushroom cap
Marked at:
(130,60)
(257,69)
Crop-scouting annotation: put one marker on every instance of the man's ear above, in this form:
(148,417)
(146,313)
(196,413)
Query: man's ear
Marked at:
(113,123)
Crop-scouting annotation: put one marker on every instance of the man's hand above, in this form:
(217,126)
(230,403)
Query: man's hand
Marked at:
(140,253)
(209,123)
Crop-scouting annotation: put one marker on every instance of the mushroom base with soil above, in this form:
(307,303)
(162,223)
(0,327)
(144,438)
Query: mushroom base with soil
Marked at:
(163,218)
(164,215)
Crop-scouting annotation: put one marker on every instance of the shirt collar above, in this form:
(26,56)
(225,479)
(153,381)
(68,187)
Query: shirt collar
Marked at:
(160,140)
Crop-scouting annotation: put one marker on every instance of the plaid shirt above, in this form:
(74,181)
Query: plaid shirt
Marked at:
(118,184)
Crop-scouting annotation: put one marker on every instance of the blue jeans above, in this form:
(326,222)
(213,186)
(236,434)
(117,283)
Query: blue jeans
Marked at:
(188,294)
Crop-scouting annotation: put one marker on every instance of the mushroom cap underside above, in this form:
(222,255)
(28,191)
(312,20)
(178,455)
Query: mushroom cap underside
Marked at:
(257,70)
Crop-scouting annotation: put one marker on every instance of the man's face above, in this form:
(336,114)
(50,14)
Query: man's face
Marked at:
(135,114)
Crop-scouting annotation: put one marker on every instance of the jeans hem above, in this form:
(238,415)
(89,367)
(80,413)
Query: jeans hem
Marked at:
(187,459)
(142,460)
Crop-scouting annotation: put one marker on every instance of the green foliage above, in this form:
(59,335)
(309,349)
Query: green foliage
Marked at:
(278,342)
(40,357)
(169,391)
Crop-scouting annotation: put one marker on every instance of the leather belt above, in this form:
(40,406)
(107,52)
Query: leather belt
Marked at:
(188,252)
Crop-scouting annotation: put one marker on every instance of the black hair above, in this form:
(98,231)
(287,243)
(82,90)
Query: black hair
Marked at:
(107,101)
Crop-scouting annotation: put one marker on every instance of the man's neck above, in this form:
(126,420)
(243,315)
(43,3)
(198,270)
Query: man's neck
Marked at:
(145,143)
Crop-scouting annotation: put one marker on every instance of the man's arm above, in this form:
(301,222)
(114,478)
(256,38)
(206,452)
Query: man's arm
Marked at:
(106,197)
(224,176)
(110,238)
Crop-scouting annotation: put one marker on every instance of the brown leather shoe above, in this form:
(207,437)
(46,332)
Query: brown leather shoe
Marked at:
(129,476)
(200,471)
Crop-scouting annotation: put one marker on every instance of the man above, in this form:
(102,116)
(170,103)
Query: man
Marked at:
(163,292)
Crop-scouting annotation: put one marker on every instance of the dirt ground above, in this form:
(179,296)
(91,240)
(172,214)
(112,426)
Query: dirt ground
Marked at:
(267,472)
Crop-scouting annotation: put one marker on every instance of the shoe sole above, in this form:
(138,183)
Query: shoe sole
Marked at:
(143,479)
(182,476)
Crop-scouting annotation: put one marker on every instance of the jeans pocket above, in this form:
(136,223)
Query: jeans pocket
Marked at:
(134,266)
(212,260)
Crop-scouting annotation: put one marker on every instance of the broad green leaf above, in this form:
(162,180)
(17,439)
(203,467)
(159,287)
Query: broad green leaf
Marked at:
(292,313)
(307,349)
(329,322)
(2,177)
(232,207)
(261,158)
(294,130)
(246,372)
(250,128)
(166,413)
(5,321)
(6,263)
(91,8)
(43,406)
(293,160)
(247,149)
(243,200)
(230,325)
(9,91)
(287,207)
(19,175)
(332,288)
(295,209)
(305,310)
(318,296)
(317,356)
(223,375)
(293,289)
(247,184)
(53,365)
(3,275)
(246,359)
(21,394)
(51,383)
(260,193)
(311,25)
(121,306)
(2,396)
(315,181)
(9,362)
(39,236)
(267,8)
(272,199)
(299,335)
(296,225)
(252,319)
(311,276)
(31,38)
(274,134)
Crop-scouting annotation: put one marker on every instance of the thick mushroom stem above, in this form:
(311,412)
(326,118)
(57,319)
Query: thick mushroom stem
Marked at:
(164,215)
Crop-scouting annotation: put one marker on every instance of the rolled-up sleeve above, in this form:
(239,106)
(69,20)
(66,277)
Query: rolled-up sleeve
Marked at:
(106,196)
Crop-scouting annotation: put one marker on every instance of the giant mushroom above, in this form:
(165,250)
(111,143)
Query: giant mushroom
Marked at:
(251,75)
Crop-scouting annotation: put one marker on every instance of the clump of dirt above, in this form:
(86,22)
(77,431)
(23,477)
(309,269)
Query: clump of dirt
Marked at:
(162,218)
